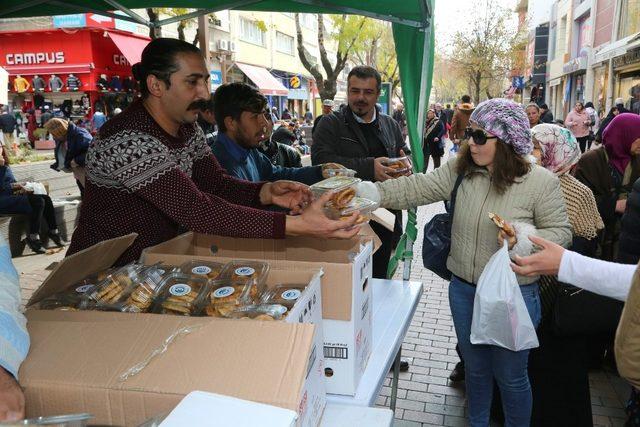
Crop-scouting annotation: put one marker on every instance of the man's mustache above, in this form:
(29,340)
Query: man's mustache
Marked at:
(198,105)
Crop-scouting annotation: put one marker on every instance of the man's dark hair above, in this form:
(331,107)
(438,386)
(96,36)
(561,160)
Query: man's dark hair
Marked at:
(159,59)
(466,99)
(366,72)
(233,98)
(448,105)
(544,106)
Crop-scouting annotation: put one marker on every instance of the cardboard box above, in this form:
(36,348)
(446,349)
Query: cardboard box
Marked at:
(346,296)
(125,368)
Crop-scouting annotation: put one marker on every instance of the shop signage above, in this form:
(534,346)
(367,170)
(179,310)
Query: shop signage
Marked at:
(628,58)
(119,59)
(576,64)
(77,20)
(215,77)
(294,82)
(29,58)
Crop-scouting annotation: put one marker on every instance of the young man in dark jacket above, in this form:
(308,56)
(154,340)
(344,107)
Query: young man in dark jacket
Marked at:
(362,138)
(241,114)
(278,148)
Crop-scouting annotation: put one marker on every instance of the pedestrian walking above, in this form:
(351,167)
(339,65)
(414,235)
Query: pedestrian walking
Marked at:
(533,114)
(495,176)
(579,123)
(546,116)
(460,120)
(9,124)
(432,143)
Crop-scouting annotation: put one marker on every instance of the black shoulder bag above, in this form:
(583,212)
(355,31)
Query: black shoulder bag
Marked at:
(436,243)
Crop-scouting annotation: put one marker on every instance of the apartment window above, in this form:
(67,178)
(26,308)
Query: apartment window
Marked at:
(309,20)
(250,32)
(552,43)
(284,43)
(561,37)
(629,18)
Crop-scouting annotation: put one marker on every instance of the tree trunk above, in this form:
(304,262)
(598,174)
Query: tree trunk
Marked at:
(154,32)
(181,26)
(195,39)
(477,83)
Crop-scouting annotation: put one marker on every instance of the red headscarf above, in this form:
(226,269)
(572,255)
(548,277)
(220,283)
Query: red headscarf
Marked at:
(618,137)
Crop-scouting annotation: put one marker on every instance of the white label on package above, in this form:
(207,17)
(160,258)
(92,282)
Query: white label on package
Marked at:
(82,289)
(201,269)
(180,289)
(282,309)
(224,291)
(245,271)
(291,294)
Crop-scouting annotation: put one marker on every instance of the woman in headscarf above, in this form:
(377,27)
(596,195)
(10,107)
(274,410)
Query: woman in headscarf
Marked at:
(613,112)
(610,172)
(432,144)
(558,369)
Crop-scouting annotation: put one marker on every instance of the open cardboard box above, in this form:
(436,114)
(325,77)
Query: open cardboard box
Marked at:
(346,295)
(125,368)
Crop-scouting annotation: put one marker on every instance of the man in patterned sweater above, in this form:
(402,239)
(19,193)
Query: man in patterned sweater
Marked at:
(151,172)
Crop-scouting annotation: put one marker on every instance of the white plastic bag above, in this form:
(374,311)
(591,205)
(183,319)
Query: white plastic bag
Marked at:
(500,316)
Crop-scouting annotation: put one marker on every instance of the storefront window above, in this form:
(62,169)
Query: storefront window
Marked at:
(628,88)
(600,89)
(629,18)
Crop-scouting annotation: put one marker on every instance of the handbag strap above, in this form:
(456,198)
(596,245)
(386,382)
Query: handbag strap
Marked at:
(454,193)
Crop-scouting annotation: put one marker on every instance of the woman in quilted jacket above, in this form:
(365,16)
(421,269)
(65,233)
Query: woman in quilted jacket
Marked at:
(498,177)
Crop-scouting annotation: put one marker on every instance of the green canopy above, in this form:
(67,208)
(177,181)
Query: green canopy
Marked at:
(413,31)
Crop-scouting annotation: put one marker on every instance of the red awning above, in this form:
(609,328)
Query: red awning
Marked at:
(263,79)
(30,70)
(131,47)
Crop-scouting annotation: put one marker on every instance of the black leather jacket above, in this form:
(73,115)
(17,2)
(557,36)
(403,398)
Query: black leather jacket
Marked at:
(281,155)
(338,139)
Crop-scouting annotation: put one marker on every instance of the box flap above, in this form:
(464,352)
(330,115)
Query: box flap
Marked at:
(76,267)
(94,355)
(384,218)
(367,231)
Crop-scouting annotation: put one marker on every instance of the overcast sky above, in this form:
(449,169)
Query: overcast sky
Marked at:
(452,14)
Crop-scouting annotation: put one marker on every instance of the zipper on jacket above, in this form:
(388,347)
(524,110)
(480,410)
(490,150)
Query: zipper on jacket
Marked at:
(475,252)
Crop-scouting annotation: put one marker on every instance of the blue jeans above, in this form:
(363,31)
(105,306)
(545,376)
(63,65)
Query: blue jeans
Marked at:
(483,363)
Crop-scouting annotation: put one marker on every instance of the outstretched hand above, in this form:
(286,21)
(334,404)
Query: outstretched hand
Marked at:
(545,262)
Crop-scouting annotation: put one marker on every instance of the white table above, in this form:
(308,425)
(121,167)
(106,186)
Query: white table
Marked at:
(394,303)
(337,415)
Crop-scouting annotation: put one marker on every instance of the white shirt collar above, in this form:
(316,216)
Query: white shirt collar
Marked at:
(360,120)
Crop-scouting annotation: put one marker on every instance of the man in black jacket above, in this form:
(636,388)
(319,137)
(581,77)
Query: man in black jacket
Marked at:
(360,137)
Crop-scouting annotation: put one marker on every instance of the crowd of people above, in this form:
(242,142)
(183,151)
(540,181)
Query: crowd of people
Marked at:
(181,159)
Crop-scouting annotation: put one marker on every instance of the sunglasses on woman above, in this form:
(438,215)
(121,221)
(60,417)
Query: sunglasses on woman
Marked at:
(478,135)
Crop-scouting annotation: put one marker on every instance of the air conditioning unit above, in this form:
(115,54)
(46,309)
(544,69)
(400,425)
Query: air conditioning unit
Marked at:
(232,46)
(223,45)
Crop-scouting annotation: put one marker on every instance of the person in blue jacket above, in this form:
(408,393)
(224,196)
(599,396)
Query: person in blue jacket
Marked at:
(16,199)
(14,339)
(241,114)
(72,143)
